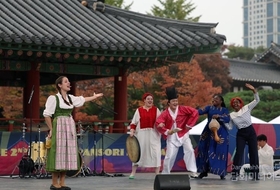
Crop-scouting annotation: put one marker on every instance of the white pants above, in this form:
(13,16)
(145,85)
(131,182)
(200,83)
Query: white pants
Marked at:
(171,154)
(264,169)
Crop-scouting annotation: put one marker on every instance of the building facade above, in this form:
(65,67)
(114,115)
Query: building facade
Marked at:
(261,22)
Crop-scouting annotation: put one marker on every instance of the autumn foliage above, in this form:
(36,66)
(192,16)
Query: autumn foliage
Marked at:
(193,89)
(11,103)
(216,69)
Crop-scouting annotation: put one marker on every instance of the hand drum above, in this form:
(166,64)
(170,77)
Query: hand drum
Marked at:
(133,149)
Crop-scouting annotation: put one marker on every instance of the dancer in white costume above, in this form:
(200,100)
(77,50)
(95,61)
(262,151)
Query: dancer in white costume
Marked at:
(174,124)
(143,127)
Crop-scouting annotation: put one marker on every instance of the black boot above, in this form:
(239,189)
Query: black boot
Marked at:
(234,176)
(255,176)
(202,175)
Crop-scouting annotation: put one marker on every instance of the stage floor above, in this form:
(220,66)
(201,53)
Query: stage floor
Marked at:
(142,181)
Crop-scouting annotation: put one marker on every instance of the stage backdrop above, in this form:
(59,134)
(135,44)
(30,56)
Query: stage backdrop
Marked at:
(109,156)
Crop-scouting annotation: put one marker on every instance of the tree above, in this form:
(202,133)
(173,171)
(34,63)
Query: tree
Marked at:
(175,9)
(267,109)
(119,4)
(216,69)
(193,89)
(102,108)
(241,52)
(11,102)
(137,84)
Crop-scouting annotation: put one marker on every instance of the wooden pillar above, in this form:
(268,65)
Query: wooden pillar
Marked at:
(31,101)
(120,100)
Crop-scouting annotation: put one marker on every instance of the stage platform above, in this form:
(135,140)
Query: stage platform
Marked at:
(142,181)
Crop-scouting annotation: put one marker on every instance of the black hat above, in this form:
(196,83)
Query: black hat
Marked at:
(171,93)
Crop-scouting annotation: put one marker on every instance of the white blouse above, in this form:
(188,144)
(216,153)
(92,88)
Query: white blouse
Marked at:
(50,105)
(242,118)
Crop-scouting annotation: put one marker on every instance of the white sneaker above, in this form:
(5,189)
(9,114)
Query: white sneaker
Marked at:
(193,175)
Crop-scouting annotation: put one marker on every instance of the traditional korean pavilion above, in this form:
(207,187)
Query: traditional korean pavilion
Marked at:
(41,40)
(271,55)
(261,75)
(262,71)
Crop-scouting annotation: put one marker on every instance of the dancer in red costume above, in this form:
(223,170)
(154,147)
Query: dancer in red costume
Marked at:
(143,127)
(174,124)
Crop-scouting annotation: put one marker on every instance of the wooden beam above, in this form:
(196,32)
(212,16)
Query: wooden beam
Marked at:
(15,65)
(79,69)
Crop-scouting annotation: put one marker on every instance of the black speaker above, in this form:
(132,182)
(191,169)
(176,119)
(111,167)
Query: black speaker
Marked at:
(172,182)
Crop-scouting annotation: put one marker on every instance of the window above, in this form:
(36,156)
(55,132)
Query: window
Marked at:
(269,8)
(245,41)
(245,13)
(245,2)
(269,28)
(278,23)
(245,29)
(278,9)
(269,39)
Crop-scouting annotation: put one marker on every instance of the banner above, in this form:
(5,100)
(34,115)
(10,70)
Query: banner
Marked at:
(107,152)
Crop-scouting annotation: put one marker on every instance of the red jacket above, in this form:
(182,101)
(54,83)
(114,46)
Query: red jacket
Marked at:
(186,116)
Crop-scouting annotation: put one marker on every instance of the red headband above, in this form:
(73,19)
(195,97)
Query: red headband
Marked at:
(239,99)
(145,95)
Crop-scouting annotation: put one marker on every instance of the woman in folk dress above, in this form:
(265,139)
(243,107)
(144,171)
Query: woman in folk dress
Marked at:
(212,156)
(143,127)
(63,154)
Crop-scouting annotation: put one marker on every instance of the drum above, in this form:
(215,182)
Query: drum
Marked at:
(74,173)
(38,149)
(133,149)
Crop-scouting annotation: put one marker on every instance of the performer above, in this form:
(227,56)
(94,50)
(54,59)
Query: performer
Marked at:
(63,154)
(213,156)
(241,118)
(265,153)
(143,127)
(174,124)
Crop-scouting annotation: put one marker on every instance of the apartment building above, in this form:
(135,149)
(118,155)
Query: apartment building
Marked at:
(261,22)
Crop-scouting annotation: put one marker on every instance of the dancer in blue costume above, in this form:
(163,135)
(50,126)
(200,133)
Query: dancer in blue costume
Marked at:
(213,156)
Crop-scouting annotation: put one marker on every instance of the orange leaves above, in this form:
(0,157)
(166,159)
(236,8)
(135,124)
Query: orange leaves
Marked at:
(84,117)
(192,87)
(11,102)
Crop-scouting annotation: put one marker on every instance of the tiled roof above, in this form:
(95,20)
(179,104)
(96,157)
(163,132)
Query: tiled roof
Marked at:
(68,23)
(271,55)
(241,70)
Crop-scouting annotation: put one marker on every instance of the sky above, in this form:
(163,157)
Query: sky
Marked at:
(228,13)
